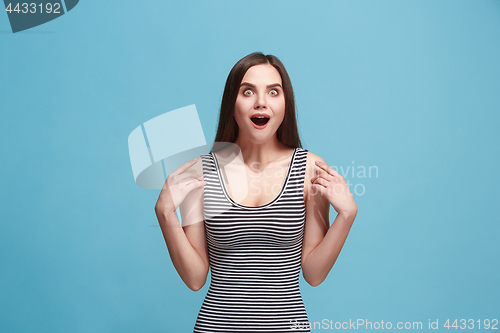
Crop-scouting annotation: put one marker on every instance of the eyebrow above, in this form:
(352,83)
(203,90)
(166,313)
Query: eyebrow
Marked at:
(253,86)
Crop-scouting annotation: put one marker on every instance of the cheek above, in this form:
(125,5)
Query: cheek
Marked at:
(239,111)
(278,107)
(280,117)
(242,104)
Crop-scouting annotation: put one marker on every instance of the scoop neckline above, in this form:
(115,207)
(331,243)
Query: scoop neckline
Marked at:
(221,182)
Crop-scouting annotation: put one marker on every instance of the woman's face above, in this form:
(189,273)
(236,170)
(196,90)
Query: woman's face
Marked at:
(260,94)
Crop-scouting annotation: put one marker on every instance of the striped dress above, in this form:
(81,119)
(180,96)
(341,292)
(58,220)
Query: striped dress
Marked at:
(255,256)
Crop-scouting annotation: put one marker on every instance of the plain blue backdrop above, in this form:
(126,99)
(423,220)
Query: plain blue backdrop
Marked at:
(409,87)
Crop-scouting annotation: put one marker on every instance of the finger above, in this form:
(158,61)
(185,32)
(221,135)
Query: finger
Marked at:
(321,181)
(326,175)
(327,169)
(185,166)
(316,179)
(185,175)
(195,183)
(181,179)
(200,178)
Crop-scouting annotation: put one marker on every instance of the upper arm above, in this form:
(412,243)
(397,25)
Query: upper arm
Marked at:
(191,210)
(317,209)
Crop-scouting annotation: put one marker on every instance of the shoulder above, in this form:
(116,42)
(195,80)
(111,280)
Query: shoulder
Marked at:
(310,170)
(311,162)
(311,158)
(197,168)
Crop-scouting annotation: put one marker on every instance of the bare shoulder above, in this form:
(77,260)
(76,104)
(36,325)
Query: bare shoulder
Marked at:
(197,168)
(310,164)
(191,208)
(310,171)
(311,157)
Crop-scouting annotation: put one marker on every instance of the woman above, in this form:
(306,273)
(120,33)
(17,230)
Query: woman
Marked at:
(264,202)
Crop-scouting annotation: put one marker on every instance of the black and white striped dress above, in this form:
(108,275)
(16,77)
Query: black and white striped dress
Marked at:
(255,256)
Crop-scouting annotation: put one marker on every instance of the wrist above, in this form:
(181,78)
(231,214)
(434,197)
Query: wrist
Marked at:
(168,217)
(348,215)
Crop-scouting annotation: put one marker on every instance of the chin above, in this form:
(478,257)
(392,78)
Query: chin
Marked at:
(260,139)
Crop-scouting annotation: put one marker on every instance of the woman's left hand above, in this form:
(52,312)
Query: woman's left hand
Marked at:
(333,186)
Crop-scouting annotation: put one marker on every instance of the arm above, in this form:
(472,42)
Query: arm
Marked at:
(322,242)
(186,245)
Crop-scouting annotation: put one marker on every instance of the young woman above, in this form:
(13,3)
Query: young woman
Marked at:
(255,211)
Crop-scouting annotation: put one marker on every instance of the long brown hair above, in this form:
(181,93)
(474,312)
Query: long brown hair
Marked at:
(227,131)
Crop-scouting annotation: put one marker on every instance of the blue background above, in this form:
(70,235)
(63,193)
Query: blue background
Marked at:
(411,87)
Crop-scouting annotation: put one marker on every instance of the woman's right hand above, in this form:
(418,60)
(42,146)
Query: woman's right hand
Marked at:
(177,186)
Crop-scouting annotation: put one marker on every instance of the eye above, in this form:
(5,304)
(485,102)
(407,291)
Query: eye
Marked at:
(273,92)
(248,92)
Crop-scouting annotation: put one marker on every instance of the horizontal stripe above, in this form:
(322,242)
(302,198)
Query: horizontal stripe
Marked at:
(255,256)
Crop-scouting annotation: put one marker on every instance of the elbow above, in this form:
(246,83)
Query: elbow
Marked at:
(314,281)
(196,284)
(314,284)
(195,287)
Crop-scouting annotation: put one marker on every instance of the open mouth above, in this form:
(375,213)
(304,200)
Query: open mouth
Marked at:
(260,120)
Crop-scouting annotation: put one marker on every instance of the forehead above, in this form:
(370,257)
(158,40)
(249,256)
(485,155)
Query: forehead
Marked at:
(262,74)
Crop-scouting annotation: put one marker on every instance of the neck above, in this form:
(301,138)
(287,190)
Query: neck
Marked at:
(262,154)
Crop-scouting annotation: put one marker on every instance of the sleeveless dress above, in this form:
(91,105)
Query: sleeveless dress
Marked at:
(255,256)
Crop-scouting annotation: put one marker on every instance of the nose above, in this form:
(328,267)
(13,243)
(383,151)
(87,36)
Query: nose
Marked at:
(260,102)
